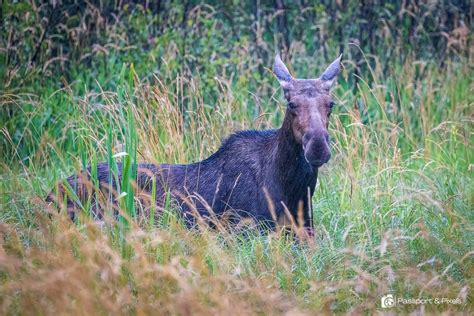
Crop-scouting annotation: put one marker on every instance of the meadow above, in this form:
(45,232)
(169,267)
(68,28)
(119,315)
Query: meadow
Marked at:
(393,208)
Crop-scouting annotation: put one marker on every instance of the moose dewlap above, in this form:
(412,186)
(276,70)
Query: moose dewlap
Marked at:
(265,175)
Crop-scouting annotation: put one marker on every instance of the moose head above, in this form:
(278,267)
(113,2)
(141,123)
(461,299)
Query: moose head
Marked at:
(309,107)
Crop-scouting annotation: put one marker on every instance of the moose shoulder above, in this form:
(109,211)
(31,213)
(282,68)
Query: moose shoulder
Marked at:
(258,174)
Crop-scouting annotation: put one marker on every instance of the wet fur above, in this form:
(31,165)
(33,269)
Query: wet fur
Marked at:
(231,181)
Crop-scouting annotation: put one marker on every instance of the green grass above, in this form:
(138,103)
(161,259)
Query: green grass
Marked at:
(393,209)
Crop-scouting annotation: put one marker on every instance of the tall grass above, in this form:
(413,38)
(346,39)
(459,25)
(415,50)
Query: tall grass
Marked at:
(392,209)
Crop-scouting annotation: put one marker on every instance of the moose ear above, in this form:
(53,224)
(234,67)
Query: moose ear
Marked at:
(281,72)
(330,74)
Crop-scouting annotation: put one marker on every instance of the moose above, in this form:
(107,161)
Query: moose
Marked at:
(265,175)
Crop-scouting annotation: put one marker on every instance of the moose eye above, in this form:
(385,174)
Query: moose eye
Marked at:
(331,105)
(291,105)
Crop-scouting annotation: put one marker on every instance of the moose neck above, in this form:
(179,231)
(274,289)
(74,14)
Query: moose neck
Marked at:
(291,166)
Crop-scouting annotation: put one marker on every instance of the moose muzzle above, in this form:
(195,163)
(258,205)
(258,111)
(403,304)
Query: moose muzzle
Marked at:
(316,148)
